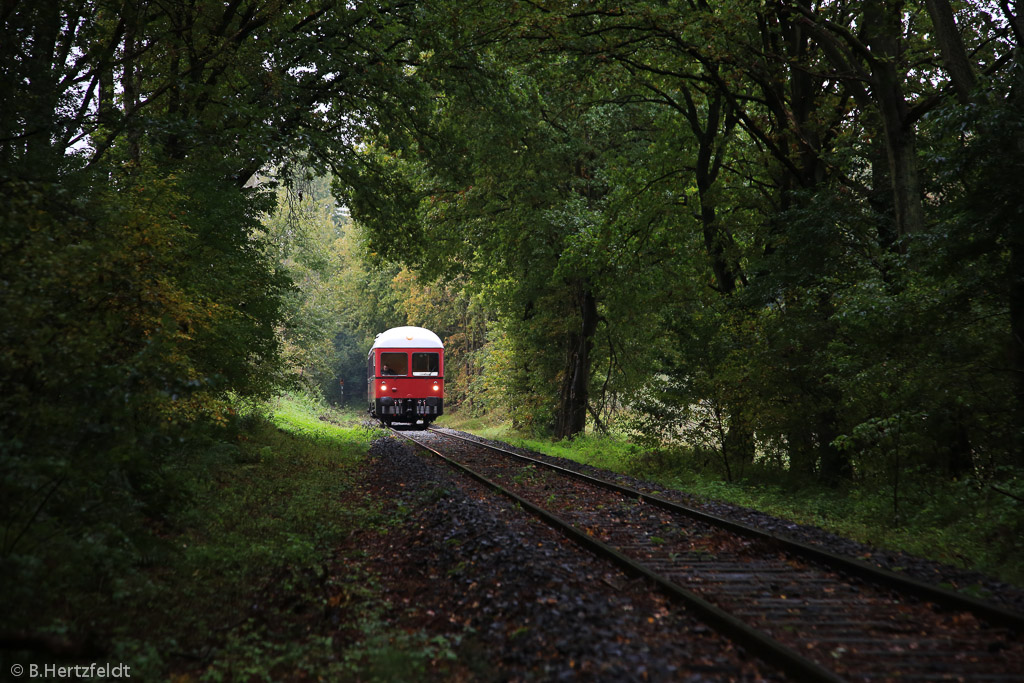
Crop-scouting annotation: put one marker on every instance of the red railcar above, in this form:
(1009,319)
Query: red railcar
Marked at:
(405,376)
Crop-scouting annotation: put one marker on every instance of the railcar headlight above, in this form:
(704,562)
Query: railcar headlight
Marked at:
(383,387)
(437,387)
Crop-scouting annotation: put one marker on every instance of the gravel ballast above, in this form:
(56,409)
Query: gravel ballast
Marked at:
(517,600)
(929,571)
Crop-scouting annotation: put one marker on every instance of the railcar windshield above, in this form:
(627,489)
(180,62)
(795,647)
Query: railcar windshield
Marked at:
(426,364)
(394,363)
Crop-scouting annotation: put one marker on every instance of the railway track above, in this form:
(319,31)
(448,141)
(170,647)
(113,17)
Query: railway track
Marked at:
(815,615)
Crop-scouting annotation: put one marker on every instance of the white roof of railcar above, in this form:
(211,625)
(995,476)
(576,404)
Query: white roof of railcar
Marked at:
(407,337)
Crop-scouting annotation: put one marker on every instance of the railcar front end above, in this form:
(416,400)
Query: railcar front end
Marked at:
(405,376)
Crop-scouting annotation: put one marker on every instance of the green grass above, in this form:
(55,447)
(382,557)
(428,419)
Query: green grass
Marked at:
(964,524)
(481,426)
(306,418)
(240,581)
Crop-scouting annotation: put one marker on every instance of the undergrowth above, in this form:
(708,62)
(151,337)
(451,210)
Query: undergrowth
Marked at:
(252,577)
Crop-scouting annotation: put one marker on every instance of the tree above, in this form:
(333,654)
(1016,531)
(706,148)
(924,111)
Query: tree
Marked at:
(516,191)
(140,293)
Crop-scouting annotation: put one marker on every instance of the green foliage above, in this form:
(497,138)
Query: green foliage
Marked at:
(535,210)
(138,292)
(114,354)
(310,238)
(120,347)
(767,286)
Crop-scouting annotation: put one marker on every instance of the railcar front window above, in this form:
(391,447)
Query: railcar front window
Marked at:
(394,364)
(426,364)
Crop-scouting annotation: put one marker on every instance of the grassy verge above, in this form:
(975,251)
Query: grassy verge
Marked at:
(964,523)
(258,577)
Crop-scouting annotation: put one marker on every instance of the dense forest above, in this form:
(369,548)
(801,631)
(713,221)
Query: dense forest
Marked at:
(784,236)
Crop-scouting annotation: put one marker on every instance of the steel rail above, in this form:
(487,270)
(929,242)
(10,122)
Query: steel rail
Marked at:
(756,642)
(995,614)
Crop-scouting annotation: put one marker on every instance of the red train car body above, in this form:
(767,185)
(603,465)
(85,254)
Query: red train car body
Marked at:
(405,376)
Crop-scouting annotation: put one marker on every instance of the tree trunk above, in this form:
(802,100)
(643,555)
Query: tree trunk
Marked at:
(882,31)
(873,57)
(880,198)
(1015,245)
(803,454)
(710,145)
(738,445)
(571,418)
(951,46)
(41,159)
(130,82)
(901,144)
(835,465)
(1015,272)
